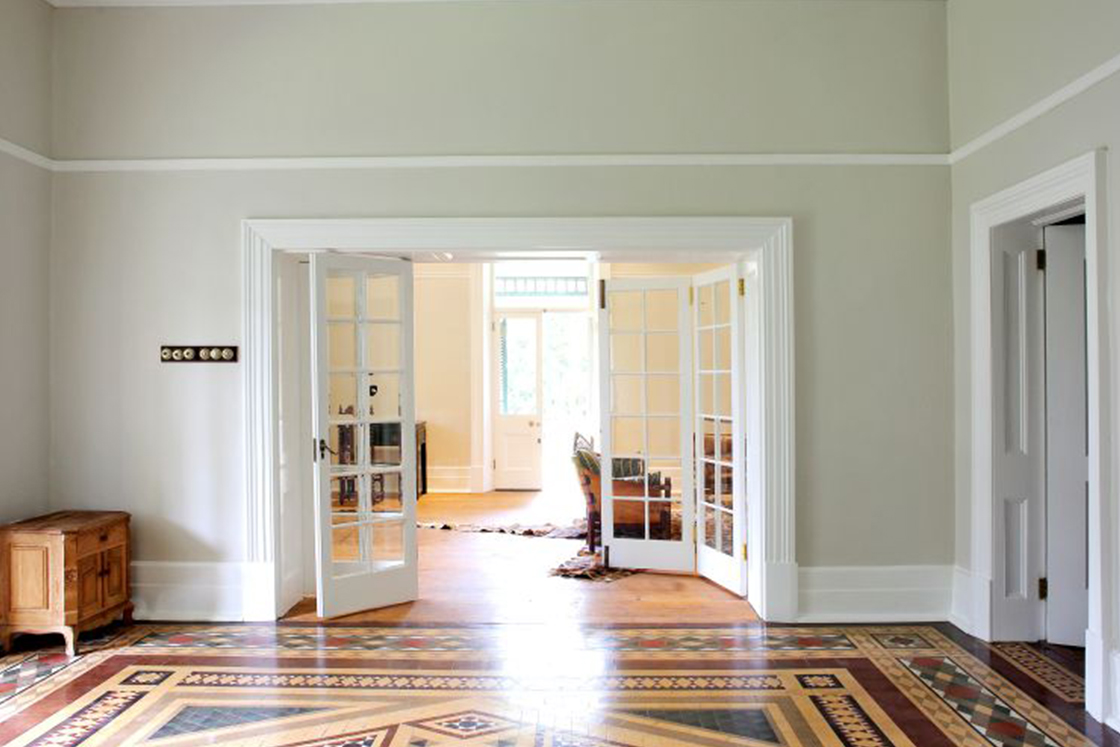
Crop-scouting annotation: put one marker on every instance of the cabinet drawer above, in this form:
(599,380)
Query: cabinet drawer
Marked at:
(100,539)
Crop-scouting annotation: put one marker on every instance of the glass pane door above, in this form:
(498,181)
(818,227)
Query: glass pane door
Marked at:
(646,466)
(719,444)
(517,412)
(366,492)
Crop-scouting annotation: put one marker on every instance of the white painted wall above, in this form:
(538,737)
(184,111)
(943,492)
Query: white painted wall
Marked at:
(25,201)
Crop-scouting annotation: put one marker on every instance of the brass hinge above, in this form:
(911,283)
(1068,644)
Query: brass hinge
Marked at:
(1043,588)
(602,294)
(742,287)
(1040,259)
(691,293)
(493,464)
(744,551)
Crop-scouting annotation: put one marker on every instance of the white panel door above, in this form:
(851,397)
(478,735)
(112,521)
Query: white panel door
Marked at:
(1067,447)
(365,494)
(1018,435)
(721,552)
(645,386)
(518,401)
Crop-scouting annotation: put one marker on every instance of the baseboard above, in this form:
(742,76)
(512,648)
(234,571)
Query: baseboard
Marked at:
(449,479)
(858,594)
(960,604)
(210,592)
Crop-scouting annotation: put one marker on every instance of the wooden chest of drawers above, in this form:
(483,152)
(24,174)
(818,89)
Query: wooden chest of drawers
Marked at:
(64,573)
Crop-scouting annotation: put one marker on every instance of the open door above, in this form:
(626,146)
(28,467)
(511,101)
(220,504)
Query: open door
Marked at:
(721,553)
(365,491)
(1018,435)
(518,401)
(646,414)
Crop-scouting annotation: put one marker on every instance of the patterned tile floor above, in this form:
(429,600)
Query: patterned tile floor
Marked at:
(542,686)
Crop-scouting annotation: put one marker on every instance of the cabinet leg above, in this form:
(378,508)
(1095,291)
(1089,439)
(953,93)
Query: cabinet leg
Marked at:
(127,615)
(5,639)
(71,637)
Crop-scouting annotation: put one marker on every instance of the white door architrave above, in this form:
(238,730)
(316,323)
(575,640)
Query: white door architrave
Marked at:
(1081,178)
(763,245)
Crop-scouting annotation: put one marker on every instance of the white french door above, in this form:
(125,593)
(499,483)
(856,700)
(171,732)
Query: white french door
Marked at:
(646,414)
(517,400)
(365,494)
(720,447)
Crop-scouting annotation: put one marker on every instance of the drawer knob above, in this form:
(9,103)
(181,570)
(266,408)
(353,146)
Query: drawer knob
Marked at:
(104,537)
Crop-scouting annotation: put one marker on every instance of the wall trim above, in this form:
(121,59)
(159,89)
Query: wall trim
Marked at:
(449,479)
(191,592)
(26,155)
(855,594)
(1069,91)
(765,243)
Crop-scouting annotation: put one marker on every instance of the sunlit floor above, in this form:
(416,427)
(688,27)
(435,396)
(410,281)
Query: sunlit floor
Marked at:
(492,578)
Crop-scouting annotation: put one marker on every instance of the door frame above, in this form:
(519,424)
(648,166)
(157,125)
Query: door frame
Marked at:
(765,245)
(1081,178)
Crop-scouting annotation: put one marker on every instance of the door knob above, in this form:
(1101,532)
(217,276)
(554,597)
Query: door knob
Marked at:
(323,449)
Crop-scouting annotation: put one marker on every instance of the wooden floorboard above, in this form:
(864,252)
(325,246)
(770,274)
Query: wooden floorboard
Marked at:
(488,578)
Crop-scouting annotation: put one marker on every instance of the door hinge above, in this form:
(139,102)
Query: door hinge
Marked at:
(744,551)
(1040,259)
(742,287)
(1043,588)
(691,294)
(602,294)
(493,464)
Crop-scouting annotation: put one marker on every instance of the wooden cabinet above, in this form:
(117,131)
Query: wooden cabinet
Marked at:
(64,573)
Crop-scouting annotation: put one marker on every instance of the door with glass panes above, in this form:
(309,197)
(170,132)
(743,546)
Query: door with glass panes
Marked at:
(646,470)
(721,552)
(365,491)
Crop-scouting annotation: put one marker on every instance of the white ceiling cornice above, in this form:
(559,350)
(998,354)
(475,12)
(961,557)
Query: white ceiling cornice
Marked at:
(233,3)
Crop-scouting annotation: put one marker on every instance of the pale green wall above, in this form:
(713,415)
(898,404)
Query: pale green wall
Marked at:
(25,194)
(1055,38)
(1005,55)
(141,259)
(571,76)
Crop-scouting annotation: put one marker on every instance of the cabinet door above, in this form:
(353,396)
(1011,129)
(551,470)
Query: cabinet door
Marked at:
(89,586)
(115,574)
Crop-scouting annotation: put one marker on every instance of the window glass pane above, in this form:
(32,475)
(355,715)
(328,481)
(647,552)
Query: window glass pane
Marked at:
(344,494)
(384,444)
(703,306)
(383,395)
(662,309)
(664,520)
(723,394)
(710,527)
(343,440)
(706,382)
(664,436)
(704,343)
(722,294)
(722,358)
(630,519)
(664,392)
(383,297)
(626,436)
(665,479)
(341,296)
(346,550)
(626,395)
(625,310)
(517,367)
(385,492)
(726,534)
(726,485)
(663,352)
(342,396)
(342,345)
(388,543)
(626,353)
(383,346)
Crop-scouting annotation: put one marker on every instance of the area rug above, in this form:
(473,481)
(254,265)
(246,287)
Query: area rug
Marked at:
(576,530)
(589,567)
(537,686)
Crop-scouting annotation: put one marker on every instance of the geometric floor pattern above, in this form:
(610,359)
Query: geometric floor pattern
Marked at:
(540,686)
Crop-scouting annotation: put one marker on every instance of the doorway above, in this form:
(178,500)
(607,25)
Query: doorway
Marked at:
(1004,599)
(764,244)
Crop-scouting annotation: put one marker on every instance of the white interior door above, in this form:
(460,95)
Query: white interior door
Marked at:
(518,401)
(1018,435)
(1067,447)
(645,388)
(365,494)
(720,439)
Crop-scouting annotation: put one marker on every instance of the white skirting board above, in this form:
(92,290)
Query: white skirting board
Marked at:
(855,594)
(443,479)
(210,592)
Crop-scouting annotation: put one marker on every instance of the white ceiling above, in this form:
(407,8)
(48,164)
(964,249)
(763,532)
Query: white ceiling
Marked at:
(171,3)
